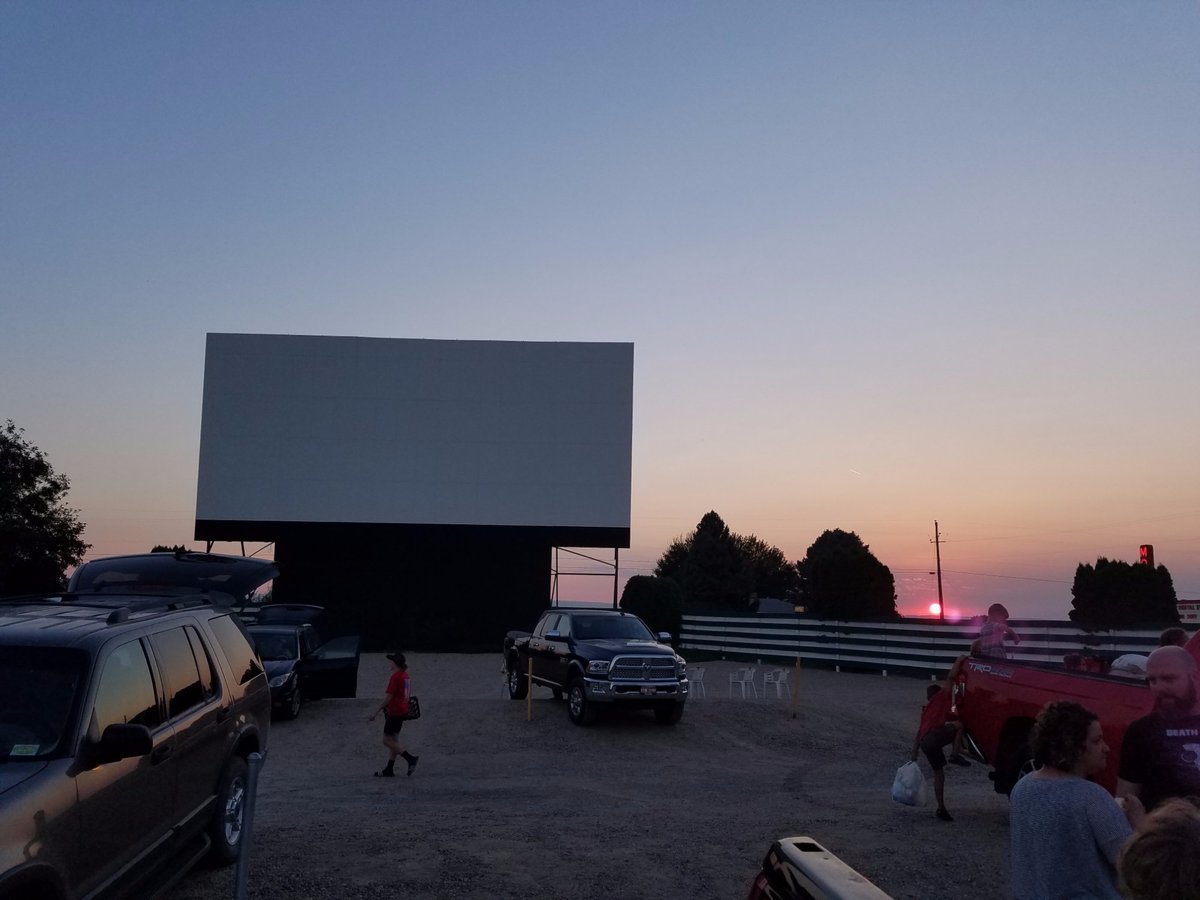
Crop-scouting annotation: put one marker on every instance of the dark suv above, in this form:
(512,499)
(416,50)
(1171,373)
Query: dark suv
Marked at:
(128,707)
(300,664)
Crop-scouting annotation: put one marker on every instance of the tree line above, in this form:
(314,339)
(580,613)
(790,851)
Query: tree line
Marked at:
(712,569)
(709,569)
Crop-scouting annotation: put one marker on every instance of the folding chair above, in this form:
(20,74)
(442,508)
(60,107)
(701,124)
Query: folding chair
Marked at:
(742,678)
(779,678)
(696,677)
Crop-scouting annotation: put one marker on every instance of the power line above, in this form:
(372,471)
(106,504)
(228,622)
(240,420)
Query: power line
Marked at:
(1016,577)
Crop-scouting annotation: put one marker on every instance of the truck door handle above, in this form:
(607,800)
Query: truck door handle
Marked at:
(223,713)
(159,754)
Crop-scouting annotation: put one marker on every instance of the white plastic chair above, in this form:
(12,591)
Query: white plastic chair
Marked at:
(742,678)
(779,678)
(696,677)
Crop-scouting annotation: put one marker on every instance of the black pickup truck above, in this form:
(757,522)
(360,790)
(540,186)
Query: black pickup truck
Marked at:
(598,657)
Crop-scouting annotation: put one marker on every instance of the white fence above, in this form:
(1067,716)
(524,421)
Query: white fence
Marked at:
(912,645)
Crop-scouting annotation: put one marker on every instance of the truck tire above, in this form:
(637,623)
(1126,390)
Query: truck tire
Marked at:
(668,713)
(1014,757)
(579,708)
(518,681)
(226,828)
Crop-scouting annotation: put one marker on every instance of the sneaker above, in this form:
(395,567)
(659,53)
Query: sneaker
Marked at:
(944,815)
(412,765)
(958,759)
(388,773)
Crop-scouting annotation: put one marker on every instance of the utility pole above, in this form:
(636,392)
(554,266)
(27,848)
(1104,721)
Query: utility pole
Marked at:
(937,545)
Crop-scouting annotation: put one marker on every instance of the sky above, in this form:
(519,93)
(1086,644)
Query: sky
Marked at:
(882,263)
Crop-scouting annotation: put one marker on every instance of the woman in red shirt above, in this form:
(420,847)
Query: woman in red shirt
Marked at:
(395,710)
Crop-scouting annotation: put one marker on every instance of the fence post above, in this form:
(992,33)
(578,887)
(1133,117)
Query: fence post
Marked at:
(796,686)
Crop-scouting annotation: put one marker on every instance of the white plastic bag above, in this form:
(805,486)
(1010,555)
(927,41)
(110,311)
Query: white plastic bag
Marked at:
(909,786)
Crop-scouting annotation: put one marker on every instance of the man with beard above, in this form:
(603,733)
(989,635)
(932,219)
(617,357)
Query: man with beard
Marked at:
(1160,755)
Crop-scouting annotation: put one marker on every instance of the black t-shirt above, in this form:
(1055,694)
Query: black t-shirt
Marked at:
(1163,756)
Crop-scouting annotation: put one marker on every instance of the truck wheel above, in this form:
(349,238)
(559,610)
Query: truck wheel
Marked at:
(579,708)
(1014,755)
(668,713)
(225,830)
(518,682)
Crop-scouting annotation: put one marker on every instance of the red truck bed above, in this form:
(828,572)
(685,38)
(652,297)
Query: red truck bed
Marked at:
(1000,698)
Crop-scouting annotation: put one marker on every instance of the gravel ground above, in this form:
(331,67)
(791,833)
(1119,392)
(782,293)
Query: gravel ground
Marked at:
(501,807)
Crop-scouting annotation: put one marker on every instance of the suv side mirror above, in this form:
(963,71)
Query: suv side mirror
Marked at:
(554,636)
(664,637)
(120,742)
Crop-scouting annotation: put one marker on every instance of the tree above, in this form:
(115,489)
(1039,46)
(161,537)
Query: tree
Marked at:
(40,536)
(772,574)
(840,578)
(1116,594)
(656,601)
(718,569)
(174,548)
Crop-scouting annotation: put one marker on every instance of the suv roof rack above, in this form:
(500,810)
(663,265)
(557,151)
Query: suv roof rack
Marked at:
(147,604)
(121,608)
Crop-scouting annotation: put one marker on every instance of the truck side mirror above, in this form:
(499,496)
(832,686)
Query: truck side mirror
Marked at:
(553,636)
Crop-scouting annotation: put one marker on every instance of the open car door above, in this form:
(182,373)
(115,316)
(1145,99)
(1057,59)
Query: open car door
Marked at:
(332,669)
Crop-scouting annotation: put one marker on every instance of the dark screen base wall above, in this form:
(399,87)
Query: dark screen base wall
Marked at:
(418,591)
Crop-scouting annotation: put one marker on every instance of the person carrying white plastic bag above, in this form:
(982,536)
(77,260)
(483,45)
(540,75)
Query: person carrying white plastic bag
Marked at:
(939,727)
(909,786)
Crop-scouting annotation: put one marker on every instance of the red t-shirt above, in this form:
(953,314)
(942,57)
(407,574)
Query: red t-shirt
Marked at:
(398,688)
(936,712)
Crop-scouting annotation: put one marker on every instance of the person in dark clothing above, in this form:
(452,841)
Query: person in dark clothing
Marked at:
(1160,755)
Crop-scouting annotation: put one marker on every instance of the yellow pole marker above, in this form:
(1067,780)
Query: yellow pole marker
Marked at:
(529,694)
(796,686)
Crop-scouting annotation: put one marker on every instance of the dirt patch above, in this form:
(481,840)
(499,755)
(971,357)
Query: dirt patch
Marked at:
(504,808)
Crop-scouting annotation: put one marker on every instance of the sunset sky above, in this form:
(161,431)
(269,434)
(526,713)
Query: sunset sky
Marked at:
(882,263)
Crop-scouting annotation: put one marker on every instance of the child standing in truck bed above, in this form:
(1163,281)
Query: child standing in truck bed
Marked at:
(994,632)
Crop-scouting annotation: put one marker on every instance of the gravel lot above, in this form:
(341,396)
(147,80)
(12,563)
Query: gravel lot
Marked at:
(501,807)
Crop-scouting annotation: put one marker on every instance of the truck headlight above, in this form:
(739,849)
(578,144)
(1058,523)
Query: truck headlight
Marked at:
(598,667)
(680,667)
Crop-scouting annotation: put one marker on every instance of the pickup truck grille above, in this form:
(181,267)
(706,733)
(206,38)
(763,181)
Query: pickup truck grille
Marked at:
(642,668)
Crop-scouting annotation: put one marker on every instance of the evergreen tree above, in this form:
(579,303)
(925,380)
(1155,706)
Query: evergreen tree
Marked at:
(840,578)
(656,601)
(1116,594)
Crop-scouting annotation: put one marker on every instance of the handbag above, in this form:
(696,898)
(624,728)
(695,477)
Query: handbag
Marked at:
(909,786)
(414,709)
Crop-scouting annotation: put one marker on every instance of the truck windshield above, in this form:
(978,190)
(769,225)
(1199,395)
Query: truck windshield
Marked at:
(39,689)
(590,628)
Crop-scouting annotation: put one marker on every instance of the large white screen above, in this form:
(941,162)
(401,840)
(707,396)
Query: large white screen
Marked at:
(371,430)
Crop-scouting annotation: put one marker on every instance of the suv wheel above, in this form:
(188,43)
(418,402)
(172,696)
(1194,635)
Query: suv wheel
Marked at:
(228,818)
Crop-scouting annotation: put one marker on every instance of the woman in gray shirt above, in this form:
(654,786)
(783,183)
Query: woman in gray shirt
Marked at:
(1067,831)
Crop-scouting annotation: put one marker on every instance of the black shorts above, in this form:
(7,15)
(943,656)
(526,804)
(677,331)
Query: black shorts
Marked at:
(391,725)
(934,741)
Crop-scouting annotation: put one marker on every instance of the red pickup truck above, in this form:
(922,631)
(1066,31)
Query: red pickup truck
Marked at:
(998,699)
